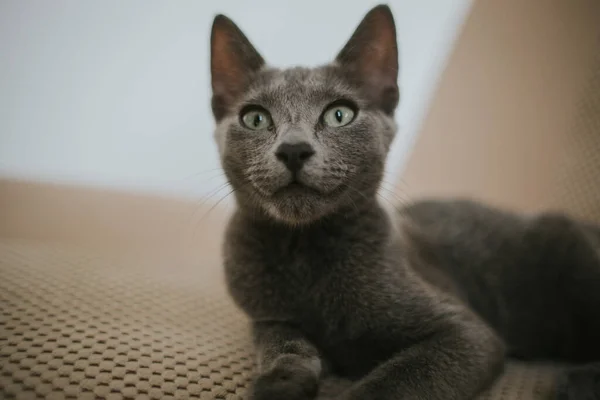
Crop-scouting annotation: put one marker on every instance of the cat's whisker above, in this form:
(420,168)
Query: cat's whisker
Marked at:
(352,201)
(367,198)
(356,191)
(197,224)
(398,191)
(393,204)
(204,200)
(393,193)
(217,203)
(220,200)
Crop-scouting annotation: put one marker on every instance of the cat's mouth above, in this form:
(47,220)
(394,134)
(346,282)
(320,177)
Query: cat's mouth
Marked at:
(298,201)
(296,187)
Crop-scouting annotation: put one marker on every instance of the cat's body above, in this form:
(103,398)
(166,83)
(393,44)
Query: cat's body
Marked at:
(534,279)
(348,284)
(422,303)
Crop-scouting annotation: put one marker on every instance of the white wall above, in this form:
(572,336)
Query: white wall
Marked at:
(116,93)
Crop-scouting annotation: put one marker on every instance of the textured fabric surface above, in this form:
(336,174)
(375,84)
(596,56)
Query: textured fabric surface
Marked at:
(579,186)
(75,326)
(84,327)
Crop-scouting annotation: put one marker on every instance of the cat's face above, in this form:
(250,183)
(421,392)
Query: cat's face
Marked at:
(301,143)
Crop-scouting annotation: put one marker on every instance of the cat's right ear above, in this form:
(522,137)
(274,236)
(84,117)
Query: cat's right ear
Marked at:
(370,58)
(233,61)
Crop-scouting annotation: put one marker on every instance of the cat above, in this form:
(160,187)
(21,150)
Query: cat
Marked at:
(425,302)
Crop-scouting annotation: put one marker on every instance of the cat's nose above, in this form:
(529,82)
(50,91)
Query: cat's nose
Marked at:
(294,155)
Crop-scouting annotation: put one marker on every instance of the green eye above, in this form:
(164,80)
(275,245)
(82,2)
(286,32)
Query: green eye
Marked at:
(256,120)
(337,116)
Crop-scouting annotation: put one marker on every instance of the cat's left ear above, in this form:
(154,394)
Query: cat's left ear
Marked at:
(233,62)
(370,58)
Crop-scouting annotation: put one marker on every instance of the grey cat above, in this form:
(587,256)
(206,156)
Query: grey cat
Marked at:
(423,303)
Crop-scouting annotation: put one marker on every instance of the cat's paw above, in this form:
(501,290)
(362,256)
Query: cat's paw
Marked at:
(289,379)
(581,383)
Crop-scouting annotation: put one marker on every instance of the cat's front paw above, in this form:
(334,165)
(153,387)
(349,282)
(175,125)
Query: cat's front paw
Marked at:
(289,379)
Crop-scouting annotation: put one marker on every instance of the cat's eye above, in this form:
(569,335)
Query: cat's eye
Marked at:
(338,115)
(256,119)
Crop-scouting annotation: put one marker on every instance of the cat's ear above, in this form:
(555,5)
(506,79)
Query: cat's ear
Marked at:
(233,61)
(370,58)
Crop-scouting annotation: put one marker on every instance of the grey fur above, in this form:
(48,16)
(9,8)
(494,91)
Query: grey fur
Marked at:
(424,303)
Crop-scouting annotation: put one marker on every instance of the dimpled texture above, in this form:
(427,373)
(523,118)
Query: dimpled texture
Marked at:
(77,326)
(578,188)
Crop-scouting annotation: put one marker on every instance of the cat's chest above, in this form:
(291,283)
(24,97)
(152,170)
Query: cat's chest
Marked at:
(282,285)
(343,297)
(340,307)
(325,290)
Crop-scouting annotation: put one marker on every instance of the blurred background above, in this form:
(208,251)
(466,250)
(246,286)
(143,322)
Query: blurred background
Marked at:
(105,121)
(117,94)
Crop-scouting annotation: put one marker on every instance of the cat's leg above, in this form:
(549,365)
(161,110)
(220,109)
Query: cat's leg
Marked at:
(575,249)
(289,365)
(457,362)
(583,382)
(580,383)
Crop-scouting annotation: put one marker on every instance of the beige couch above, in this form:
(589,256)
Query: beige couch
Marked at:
(101,298)
(76,325)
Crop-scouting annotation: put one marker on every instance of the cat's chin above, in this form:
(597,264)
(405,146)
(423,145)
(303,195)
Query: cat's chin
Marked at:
(297,204)
(294,214)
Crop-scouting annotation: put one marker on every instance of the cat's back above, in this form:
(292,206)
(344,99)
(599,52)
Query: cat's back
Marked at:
(507,267)
(467,235)
(466,248)
(463,230)
(458,219)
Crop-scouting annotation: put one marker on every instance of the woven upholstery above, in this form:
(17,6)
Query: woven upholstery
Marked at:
(579,188)
(83,327)
(75,326)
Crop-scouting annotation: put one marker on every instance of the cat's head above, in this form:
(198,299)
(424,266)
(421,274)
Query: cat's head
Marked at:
(301,143)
